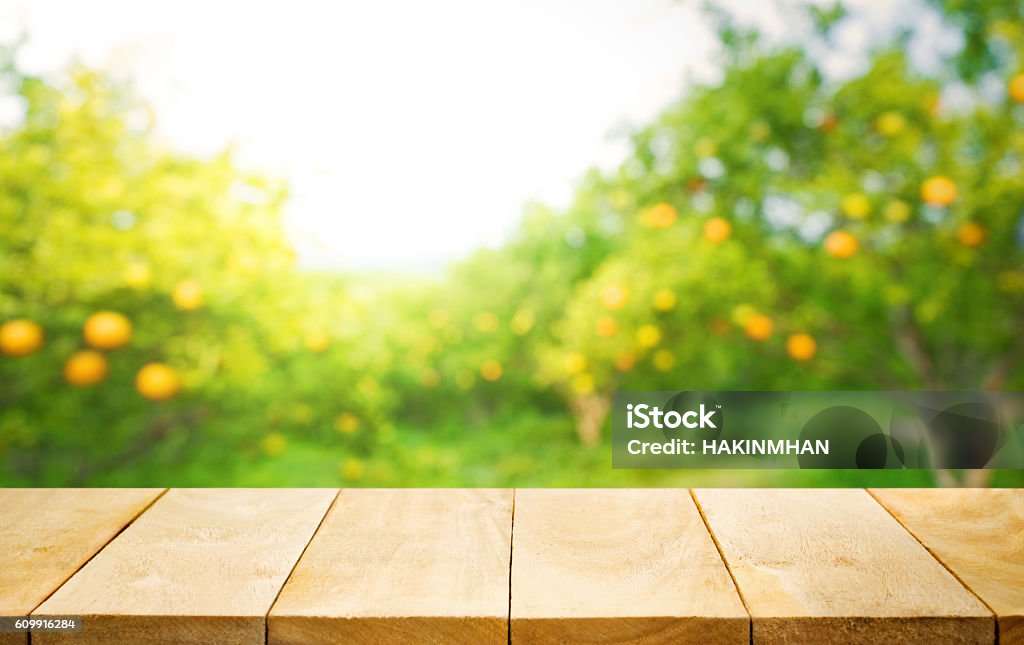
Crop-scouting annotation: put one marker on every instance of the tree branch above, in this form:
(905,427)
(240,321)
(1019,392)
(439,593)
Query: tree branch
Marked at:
(910,343)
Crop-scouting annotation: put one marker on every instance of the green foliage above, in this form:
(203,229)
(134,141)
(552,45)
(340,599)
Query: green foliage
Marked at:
(705,261)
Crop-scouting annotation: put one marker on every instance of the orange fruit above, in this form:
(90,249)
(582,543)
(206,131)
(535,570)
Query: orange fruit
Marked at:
(801,347)
(759,327)
(624,361)
(137,275)
(856,205)
(663,360)
(20,337)
(970,234)
(107,330)
(938,191)
(1017,88)
(607,327)
(188,295)
(717,230)
(583,384)
(86,368)
(891,123)
(157,381)
(829,123)
(647,336)
(575,363)
(613,297)
(491,370)
(660,215)
(897,211)
(840,244)
(486,321)
(522,322)
(347,423)
(664,300)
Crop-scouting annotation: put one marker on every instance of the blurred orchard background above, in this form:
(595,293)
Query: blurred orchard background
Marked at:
(825,197)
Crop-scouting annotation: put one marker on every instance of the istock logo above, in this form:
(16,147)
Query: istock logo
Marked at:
(645,416)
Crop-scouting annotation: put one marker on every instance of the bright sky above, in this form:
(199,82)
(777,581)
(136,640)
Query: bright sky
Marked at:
(411,132)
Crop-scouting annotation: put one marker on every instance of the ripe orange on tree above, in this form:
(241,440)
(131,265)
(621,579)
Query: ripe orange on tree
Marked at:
(717,230)
(1017,88)
(664,300)
(188,295)
(20,337)
(347,423)
(758,327)
(891,123)
(801,347)
(613,297)
(664,360)
(970,234)
(647,336)
(607,327)
(491,370)
(938,191)
(624,361)
(856,205)
(660,215)
(107,330)
(829,122)
(575,363)
(157,381)
(583,383)
(137,275)
(897,211)
(841,244)
(86,368)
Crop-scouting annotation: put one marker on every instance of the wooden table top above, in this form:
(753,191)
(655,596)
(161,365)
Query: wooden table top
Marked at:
(527,565)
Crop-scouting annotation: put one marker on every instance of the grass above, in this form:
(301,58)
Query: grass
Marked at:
(516,451)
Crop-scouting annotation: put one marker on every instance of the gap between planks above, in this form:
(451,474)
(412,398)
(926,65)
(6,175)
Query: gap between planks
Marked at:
(511,552)
(739,592)
(939,560)
(97,552)
(266,617)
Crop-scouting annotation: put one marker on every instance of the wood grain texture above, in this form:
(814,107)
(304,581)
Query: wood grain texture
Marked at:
(979,535)
(619,566)
(200,566)
(832,565)
(47,534)
(409,566)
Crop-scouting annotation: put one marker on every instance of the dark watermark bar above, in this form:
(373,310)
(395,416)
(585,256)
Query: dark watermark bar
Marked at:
(818,430)
(40,624)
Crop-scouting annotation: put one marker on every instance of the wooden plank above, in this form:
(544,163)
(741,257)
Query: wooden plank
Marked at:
(200,566)
(831,565)
(979,535)
(47,534)
(619,566)
(410,566)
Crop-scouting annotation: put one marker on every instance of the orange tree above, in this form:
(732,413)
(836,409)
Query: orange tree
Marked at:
(150,307)
(780,229)
(775,229)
